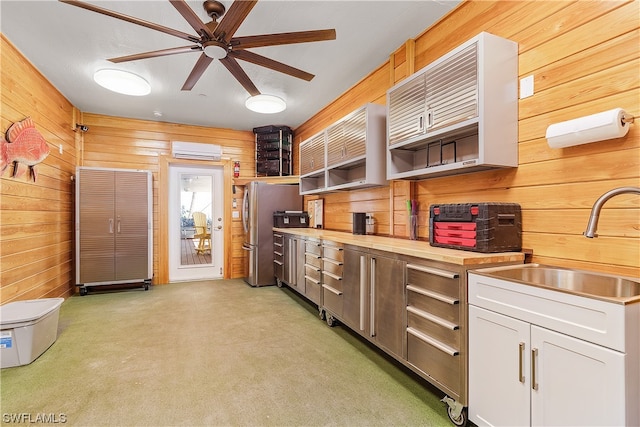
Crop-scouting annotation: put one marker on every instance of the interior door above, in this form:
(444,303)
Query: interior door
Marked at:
(195,253)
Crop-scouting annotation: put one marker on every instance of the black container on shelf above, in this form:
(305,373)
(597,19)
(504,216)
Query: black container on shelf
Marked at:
(273,150)
(288,219)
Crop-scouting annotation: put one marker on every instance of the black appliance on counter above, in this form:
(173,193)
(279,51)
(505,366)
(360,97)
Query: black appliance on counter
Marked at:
(478,227)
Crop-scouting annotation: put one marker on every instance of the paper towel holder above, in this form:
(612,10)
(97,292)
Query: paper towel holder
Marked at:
(601,126)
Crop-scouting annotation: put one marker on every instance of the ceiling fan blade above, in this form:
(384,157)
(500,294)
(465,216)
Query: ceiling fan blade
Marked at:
(237,71)
(263,61)
(196,73)
(233,18)
(193,19)
(133,20)
(156,53)
(283,38)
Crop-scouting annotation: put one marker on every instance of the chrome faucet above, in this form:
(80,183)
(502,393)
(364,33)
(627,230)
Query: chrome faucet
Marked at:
(597,206)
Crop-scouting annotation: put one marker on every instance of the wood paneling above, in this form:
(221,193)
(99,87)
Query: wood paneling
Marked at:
(36,218)
(585,58)
(139,144)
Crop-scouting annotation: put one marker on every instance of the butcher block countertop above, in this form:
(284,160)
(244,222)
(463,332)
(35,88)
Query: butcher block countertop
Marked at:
(416,248)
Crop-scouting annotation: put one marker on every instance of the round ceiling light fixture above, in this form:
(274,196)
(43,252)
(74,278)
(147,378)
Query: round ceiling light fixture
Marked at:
(123,82)
(265,104)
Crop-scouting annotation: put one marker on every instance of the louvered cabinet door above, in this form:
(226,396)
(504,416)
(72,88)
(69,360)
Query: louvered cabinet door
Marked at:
(406,111)
(312,157)
(346,140)
(131,226)
(452,90)
(95,226)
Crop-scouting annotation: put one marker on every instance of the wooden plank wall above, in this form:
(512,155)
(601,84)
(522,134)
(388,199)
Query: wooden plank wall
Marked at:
(585,58)
(36,218)
(116,142)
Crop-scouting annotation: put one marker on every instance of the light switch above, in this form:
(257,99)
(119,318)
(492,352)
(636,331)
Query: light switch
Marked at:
(235,214)
(526,87)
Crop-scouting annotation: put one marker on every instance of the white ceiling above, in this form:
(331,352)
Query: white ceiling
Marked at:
(67,44)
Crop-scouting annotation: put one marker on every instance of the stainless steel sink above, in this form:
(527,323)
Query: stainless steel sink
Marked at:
(580,282)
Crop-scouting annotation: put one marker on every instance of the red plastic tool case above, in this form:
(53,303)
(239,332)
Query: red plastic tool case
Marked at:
(478,227)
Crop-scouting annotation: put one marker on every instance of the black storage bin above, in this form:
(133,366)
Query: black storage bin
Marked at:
(478,227)
(272,167)
(284,219)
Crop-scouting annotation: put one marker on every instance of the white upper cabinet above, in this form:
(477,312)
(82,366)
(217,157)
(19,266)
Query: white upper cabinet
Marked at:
(458,114)
(354,148)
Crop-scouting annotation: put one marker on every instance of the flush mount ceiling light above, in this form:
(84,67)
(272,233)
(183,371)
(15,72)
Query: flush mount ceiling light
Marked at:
(122,81)
(266,104)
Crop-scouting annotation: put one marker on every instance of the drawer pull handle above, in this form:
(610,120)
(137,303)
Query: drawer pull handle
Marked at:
(333,276)
(309,254)
(312,267)
(433,295)
(332,290)
(311,279)
(277,253)
(331,261)
(437,344)
(436,271)
(277,262)
(277,235)
(277,244)
(435,319)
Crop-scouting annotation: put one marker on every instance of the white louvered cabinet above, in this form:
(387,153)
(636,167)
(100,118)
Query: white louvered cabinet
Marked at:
(113,227)
(312,164)
(354,149)
(458,114)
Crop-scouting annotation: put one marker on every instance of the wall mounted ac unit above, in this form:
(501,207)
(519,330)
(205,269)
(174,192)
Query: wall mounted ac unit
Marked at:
(195,151)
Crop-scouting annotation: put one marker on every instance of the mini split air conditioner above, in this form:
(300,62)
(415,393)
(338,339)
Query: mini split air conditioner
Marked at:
(195,151)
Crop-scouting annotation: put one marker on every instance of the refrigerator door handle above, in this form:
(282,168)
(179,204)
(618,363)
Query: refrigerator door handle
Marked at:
(245,209)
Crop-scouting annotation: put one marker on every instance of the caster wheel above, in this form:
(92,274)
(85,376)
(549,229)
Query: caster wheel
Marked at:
(83,291)
(322,315)
(461,420)
(146,286)
(331,321)
(279,283)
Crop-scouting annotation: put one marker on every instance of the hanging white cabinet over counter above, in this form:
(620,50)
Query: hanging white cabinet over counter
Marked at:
(348,154)
(458,114)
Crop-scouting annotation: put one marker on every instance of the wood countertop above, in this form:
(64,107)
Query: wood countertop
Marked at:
(416,248)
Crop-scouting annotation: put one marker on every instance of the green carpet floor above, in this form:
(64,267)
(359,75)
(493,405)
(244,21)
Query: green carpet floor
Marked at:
(217,353)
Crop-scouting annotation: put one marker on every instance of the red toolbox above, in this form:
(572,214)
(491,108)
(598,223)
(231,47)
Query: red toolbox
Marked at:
(478,227)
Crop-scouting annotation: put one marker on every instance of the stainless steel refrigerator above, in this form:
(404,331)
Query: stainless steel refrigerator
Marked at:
(261,200)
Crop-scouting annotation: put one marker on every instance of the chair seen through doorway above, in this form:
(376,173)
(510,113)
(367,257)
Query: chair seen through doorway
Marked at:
(202,233)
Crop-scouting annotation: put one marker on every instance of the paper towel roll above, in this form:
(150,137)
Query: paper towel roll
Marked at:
(596,127)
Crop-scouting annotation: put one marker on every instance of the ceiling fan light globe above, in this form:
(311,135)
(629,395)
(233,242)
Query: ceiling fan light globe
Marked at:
(215,51)
(266,104)
(123,82)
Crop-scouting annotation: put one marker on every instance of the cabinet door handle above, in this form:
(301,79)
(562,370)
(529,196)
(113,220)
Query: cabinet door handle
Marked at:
(118,226)
(534,356)
(363,290)
(372,307)
(110,225)
(521,362)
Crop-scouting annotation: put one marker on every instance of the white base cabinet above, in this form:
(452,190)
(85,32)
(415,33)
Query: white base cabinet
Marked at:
(525,374)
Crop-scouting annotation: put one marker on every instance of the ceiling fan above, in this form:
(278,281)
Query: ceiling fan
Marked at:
(215,40)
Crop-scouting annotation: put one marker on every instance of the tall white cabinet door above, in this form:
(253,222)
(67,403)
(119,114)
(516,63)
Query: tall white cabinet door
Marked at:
(578,383)
(499,381)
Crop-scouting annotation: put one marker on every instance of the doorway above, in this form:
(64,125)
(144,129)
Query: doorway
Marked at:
(196,237)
